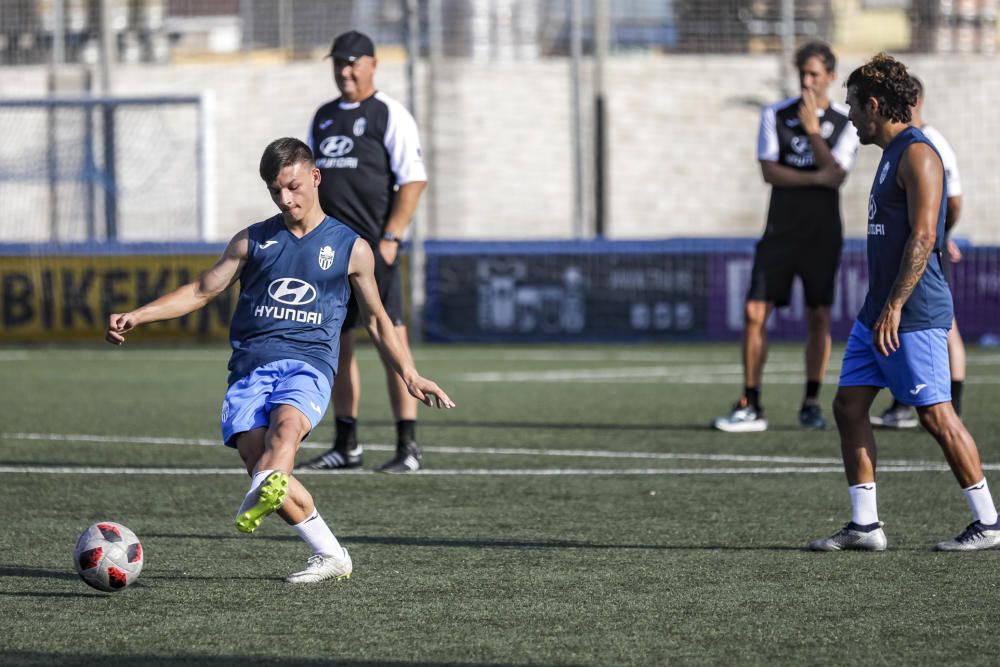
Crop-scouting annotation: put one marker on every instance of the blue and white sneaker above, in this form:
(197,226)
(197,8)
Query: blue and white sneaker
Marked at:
(976,537)
(899,417)
(853,536)
(744,418)
(811,417)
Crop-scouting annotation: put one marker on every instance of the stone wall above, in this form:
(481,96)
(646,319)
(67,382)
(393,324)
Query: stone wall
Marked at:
(682,140)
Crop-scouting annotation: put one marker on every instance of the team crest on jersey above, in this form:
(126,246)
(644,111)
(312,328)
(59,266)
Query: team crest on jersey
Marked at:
(359,126)
(325,257)
(883,174)
(826,129)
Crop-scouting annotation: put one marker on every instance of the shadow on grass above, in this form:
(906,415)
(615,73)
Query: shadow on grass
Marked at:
(486,543)
(42,658)
(56,594)
(40,572)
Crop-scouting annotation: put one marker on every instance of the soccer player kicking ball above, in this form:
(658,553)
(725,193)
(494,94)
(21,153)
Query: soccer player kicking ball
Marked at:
(296,273)
(900,339)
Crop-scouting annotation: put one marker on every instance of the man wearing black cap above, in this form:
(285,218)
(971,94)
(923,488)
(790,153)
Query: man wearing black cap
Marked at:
(367,148)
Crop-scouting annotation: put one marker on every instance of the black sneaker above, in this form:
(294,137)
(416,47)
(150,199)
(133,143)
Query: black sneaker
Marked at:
(334,459)
(811,417)
(407,459)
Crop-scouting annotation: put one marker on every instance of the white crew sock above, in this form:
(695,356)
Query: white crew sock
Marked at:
(250,499)
(981,502)
(318,536)
(863,507)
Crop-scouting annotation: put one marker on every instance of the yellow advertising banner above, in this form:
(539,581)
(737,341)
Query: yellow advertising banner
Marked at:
(49,298)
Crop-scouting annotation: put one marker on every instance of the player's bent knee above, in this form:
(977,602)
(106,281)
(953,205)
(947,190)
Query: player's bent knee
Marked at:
(287,433)
(933,418)
(755,314)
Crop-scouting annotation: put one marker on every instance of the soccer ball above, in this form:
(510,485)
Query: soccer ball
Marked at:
(108,556)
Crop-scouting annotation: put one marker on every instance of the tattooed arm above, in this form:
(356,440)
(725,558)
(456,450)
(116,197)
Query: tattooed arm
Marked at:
(921,175)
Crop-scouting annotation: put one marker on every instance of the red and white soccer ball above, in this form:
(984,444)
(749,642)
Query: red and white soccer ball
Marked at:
(108,556)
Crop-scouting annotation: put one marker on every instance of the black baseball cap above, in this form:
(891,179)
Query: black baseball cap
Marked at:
(351,46)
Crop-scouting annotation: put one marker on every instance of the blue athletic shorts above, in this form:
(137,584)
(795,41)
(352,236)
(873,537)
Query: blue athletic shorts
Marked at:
(918,373)
(249,401)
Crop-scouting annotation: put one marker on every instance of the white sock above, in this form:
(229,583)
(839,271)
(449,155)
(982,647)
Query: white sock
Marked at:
(318,536)
(981,502)
(250,499)
(863,507)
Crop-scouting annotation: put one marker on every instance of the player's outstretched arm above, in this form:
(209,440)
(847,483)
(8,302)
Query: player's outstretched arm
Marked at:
(921,175)
(186,298)
(361,272)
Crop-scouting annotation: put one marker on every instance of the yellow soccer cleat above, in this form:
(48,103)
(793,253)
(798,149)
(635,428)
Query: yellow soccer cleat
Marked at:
(270,495)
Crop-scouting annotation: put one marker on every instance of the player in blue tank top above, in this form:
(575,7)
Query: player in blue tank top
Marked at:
(296,272)
(900,339)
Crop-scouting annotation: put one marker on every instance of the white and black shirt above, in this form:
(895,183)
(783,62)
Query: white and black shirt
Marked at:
(781,138)
(804,211)
(364,150)
(951,177)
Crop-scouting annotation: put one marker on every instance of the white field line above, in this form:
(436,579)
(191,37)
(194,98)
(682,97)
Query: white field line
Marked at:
(494,451)
(814,462)
(526,472)
(702,374)
(709,372)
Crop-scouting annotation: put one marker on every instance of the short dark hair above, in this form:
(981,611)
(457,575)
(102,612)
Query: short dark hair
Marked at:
(919,84)
(886,79)
(282,153)
(819,50)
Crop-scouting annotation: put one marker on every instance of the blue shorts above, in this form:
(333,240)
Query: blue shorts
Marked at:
(918,373)
(249,401)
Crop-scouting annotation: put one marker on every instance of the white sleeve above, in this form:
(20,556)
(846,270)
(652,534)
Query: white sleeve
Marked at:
(846,149)
(767,136)
(402,142)
(948,160)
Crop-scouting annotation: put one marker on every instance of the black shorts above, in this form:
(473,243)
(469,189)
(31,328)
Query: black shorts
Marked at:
(780,258)
(390,290)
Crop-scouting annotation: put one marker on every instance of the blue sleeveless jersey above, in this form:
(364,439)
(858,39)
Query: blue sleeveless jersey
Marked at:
(293,297)
(930,305)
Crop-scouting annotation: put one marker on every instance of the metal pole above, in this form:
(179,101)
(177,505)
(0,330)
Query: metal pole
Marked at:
(417,287)
(52,160)
(206,167)
(284,25)
(58,32)
(90,172)
(602,37)
(110,174)
(787,47)
(106,47)
(108,129)
(576,55)
(435,36)
(58,58)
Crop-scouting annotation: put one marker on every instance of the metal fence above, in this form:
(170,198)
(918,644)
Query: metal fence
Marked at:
(158,31)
